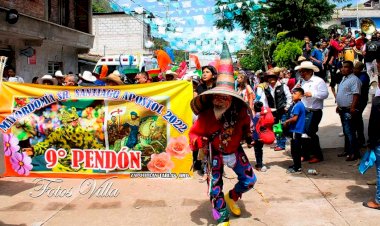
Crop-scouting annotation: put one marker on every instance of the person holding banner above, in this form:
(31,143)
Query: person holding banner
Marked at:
(223,122)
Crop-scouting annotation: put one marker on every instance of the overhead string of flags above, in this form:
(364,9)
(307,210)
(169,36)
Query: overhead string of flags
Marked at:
(187,25)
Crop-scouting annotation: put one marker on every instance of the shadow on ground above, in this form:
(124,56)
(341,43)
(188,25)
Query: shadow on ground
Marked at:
(203,213)
(11,188)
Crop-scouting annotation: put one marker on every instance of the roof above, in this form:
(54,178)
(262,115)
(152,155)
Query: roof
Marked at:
(353,13)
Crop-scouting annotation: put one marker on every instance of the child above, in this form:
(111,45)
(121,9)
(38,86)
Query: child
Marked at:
(258,146)
(296,124)
(262,132)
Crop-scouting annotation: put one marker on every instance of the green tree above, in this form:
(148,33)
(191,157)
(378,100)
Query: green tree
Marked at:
(287,52)
(159,43)
(299,17)
(101,6)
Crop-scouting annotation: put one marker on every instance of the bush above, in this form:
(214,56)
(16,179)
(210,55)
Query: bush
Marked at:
(252,62)
(287,51)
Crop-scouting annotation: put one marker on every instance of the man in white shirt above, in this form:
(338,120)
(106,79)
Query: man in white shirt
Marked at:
(316,92)
(13,77)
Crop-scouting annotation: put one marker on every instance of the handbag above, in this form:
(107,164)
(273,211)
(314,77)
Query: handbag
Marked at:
(368,160)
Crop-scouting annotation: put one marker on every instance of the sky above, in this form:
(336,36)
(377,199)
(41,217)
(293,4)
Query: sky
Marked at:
(191,23)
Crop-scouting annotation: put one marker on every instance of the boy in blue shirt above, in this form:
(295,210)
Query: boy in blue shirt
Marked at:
(296,124)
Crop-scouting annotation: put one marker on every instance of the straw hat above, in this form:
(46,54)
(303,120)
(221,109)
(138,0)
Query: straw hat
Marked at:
(170,72)
(301,58)
(47,78)
(224,84)
(113,77)
(307,65)
(88,76)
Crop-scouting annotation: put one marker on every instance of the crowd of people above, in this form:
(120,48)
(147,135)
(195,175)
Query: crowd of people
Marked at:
(228,109)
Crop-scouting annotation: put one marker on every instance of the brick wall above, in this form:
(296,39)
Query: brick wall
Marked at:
(34,8)
(119,33)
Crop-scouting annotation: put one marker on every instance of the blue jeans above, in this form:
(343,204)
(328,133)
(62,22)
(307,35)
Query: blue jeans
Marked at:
(350,140)
(377,164)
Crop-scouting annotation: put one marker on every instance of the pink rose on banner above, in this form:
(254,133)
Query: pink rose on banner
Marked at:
(21,163)
(10,144)
(178,147)
(160,163)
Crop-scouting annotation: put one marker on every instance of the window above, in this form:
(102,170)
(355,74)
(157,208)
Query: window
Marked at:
(54,66)
(64,12)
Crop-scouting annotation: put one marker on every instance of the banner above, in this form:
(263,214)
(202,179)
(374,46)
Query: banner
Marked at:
(127,131)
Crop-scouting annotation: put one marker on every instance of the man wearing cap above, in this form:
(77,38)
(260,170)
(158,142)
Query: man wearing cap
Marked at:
(223,122)
(316,91)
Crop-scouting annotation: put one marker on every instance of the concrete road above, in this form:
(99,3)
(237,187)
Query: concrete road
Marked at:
(333,197)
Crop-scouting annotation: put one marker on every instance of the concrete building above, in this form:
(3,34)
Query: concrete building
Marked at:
(350,17)
(118,33)
(48,35)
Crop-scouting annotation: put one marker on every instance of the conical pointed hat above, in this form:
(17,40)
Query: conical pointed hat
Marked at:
(225,84)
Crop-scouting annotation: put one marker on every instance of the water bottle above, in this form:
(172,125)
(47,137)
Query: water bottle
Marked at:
(312,172)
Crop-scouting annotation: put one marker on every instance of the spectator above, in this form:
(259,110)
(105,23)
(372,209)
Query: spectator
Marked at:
(70,80)
(208,79)
(347,100)
(12,77)
(142,78)
(296,124)
(113,80)
(59,76)
(47,80)
(170,75)
(87,79)
(316,92)
(34,80)
(277,97)
(244,89)
(374,142)
(363,99)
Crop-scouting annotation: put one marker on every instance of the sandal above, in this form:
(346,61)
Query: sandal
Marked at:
(370,205)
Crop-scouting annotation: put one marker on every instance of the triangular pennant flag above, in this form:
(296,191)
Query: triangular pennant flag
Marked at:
(239,4)
(231,6)
(248,3)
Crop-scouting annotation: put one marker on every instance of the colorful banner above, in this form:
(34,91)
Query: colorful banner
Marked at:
(127,131)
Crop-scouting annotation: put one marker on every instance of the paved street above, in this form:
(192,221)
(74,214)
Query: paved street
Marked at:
(333,197)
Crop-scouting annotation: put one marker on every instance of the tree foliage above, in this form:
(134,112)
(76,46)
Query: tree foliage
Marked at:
(287,52)
(299,17)
(101,6)
(253,61)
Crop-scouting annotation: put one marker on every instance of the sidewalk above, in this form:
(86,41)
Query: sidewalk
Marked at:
(333,197)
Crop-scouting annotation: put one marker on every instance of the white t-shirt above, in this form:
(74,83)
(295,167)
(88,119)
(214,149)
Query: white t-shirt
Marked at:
(16,79)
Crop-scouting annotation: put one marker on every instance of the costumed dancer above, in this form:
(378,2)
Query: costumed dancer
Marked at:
(223,122)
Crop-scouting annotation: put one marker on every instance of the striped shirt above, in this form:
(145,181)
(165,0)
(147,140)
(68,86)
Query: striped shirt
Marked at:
(349,86)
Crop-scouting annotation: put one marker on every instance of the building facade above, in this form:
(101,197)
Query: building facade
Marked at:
(48,35)
(350,17)
(118,33)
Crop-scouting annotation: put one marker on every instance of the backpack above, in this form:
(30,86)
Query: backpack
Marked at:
(264,126)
